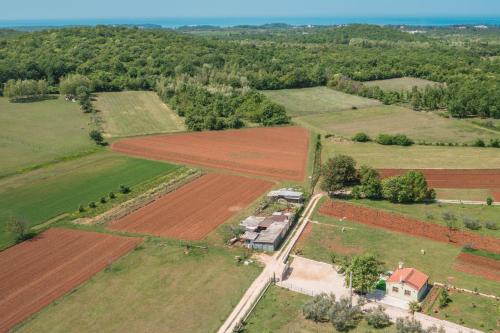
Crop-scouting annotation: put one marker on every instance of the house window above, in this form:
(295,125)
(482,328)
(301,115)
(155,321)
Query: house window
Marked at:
(407,293)
(395,289)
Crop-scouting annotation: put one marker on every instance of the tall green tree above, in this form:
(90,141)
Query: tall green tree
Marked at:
(338,173)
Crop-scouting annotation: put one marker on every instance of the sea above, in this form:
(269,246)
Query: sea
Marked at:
(238,21)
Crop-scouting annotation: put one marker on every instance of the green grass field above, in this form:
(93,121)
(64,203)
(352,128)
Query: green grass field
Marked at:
(40,132)
(156,288)
(379,156)
(463,194)
(400,84)
(130,113)
(280,310)
(420,126)
(307,101)
(433,213)
(390,247)
(471,311)
(45,193)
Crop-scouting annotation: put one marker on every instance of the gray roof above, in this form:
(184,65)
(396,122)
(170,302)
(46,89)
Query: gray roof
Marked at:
(270,234)
(252,221)
(250,235)
(286,193)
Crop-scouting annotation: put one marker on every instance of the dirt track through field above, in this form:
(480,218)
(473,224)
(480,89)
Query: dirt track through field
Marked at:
(195,209)
(478,265)
(451,178)
(403,224)
(278,152)
(37,272)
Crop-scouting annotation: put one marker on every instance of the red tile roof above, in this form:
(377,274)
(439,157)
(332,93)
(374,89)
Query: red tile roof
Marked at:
(411,276)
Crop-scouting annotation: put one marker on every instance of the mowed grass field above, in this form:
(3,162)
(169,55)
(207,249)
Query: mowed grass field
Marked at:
(40,132)
(391,248)
(307,101)
(420,126)
(130,113)
(400,84)
(156,288)
(414,157)
(280,310)
(433,213)
(45,193)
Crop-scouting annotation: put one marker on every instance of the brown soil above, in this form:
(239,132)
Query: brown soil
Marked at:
(478,265)
(496,195)
(400,223)
(195,209)
(455,178)
(301,242)
(37,272)
(279,152)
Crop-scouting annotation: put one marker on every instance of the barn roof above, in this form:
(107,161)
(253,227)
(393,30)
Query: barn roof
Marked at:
(411,276)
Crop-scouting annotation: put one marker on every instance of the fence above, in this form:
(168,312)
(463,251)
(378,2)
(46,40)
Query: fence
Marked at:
(297,289)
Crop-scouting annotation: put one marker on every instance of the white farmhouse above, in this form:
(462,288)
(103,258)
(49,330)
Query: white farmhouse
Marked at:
(408,284)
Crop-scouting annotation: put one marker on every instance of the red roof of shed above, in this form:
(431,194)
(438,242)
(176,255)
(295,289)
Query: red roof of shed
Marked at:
(411,276)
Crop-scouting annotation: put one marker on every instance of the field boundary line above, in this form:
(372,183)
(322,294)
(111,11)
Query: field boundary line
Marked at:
(129,206)
(465,290)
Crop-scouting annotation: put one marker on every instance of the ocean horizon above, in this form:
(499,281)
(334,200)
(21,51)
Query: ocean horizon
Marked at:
(236,21)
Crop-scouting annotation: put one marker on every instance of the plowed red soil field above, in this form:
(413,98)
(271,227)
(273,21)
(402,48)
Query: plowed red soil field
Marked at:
(36,272)
(478,265)
(279,152)
(451,178)
(195,209)
(400,223)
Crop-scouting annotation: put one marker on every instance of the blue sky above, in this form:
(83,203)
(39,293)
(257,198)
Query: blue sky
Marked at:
(64,9)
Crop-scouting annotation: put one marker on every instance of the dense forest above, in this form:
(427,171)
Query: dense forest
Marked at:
(211,75)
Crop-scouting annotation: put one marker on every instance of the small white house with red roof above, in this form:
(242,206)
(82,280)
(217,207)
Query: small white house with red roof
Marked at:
(407,284)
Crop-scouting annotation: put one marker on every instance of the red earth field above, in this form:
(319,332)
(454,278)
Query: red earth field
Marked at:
(195,209)
(451,178)
(50,265)
(400,223)
(278,152)
(478,265)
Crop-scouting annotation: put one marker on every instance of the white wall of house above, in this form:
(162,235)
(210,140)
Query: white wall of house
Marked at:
(404,291)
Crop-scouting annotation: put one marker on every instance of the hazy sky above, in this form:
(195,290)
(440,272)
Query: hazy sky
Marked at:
(47,9)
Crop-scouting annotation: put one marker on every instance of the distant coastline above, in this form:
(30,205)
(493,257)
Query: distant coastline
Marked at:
(237,21)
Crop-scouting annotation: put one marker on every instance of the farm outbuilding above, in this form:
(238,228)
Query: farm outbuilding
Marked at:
(408,284)
(287,194)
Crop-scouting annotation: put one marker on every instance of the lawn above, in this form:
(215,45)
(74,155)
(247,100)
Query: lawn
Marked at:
(379,156)
(307,101)
(156,288)
(391,248)
(433,213)
(400,84)
(471,311)
(463,194)
(280,310)
(420,126)
(130,113)
(45,193)
(40,132)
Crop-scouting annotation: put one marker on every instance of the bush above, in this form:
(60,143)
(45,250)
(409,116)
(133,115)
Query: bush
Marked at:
(494,143)
(361,137)
(20,229)
(318,309)
(489,201)
(444,299)
(103,200)
(408,188)
(479,143)
(377,318)
(491,225)
(97,137)
(81,209)
(371,185)
(471,224)
(124,189)
(92,204)
(398,139)
(112,195)
(343,316)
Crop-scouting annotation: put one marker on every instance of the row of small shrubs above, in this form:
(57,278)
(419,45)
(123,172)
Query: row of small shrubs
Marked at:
(385,139)
(92,205)
(403,140)
(469,223)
